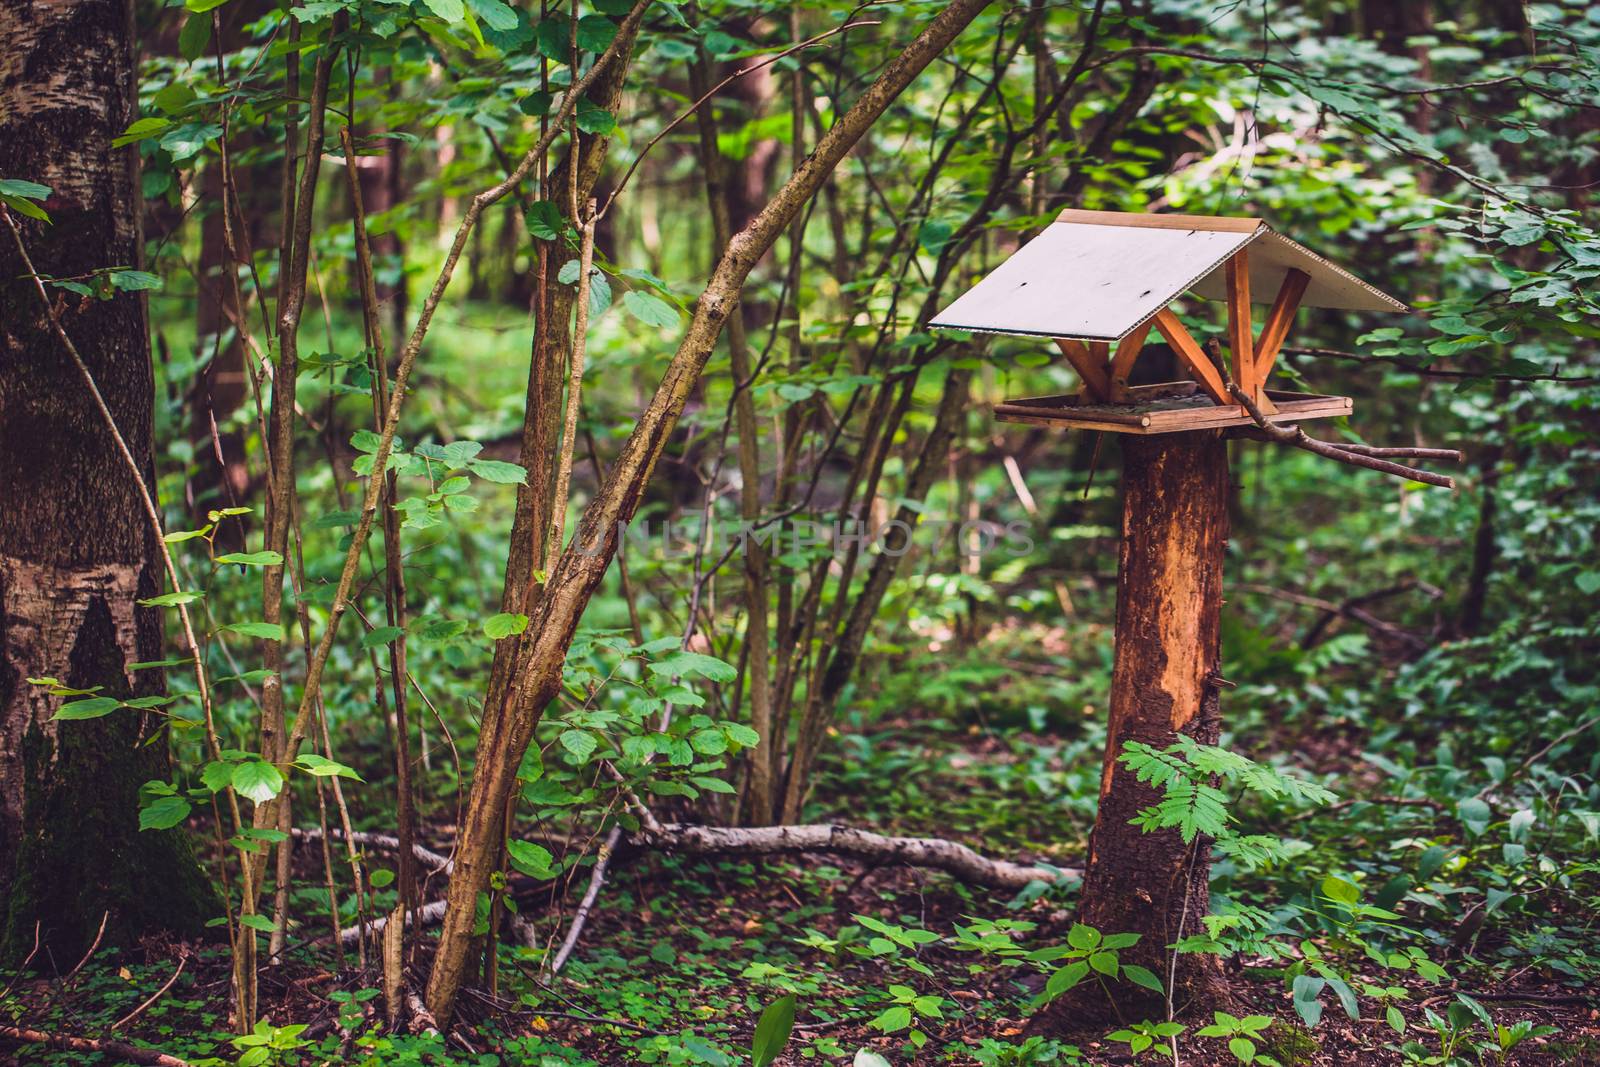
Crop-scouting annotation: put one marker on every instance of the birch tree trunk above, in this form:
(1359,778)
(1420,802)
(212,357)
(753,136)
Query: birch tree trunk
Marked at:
(76,550)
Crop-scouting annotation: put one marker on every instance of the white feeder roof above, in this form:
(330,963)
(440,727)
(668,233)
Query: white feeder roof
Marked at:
(1096,275)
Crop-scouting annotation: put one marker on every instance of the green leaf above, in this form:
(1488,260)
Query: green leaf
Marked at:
(379,636)
(543,217)
(1243,1049)
(163,813)
(449,10)
(1083,937)
(381,878)
(25,189)
(581,743)
(267,558)
(592,118)
(773,1028)
(595,33)
(1474,814)
(217,776)
(140,130)
(495,14)
(170,600)
(258,780)
(194,37)
(504,625)
(24,206)
(322,767)
(1143,976)
(257,922)
(1065,978)
(494,470)
(895,1018)
(133,281)
(708,667)
(650,310)
(270,631)
(92,708)
(532,860)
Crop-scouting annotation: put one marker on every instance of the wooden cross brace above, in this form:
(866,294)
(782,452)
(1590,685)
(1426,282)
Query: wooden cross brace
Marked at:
(1105,374)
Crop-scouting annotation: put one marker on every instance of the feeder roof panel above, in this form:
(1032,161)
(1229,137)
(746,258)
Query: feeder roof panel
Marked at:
(1096,275)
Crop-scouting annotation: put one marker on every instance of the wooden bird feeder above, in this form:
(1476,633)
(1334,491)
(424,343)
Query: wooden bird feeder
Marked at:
(1097,283)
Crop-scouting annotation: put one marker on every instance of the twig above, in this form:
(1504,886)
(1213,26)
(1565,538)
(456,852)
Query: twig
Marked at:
(1296,437)
(183,961)
(96,944)
(713,91)
(1428,372)
(585,906)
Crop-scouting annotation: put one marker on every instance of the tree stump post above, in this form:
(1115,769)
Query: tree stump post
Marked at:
(1164,681)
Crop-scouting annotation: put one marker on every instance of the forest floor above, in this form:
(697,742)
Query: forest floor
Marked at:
(682,955)
(677,964)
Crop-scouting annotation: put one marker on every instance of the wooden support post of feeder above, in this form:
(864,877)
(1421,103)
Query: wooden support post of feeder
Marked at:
(1097,283)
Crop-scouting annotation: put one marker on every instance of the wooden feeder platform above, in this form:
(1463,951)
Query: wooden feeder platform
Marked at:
(1170,407)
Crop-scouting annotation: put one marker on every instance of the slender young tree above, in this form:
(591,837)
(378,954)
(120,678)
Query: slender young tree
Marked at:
(77,549)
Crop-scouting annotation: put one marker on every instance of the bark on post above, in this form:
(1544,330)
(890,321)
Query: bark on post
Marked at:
(1164,681)
(76,550)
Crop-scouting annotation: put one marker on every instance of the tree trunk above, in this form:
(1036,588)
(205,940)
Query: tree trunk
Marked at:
(508,724)
(1163,681)
(76,550)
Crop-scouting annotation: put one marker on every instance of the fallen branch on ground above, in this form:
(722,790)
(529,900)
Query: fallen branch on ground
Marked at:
(18,1035)
(932,852)
(937,853)
(387,842)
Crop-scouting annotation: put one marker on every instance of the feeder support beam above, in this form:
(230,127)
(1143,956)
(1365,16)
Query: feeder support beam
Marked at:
(1193,357)
(1090,369)
(1279,319)
(1128,350)
(1241,347)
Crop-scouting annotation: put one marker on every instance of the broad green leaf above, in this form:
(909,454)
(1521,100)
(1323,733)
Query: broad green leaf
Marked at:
(449,10)
(1065,978)
(170,600)
(194,37)
(23,188)
(270,631)
(91,708)
(592,118)
(1143,976)
(595,33)
(266,558)
(1083,937)
(494,470)
(322,767)
(163,813)
(379,636)
(772,1031)
(496,15)
(532,860)
(581,743)
(892,1019)
(504,625)
(258,780)
(650,310)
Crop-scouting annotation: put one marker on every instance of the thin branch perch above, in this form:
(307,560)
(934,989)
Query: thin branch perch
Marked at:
(1298,438)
